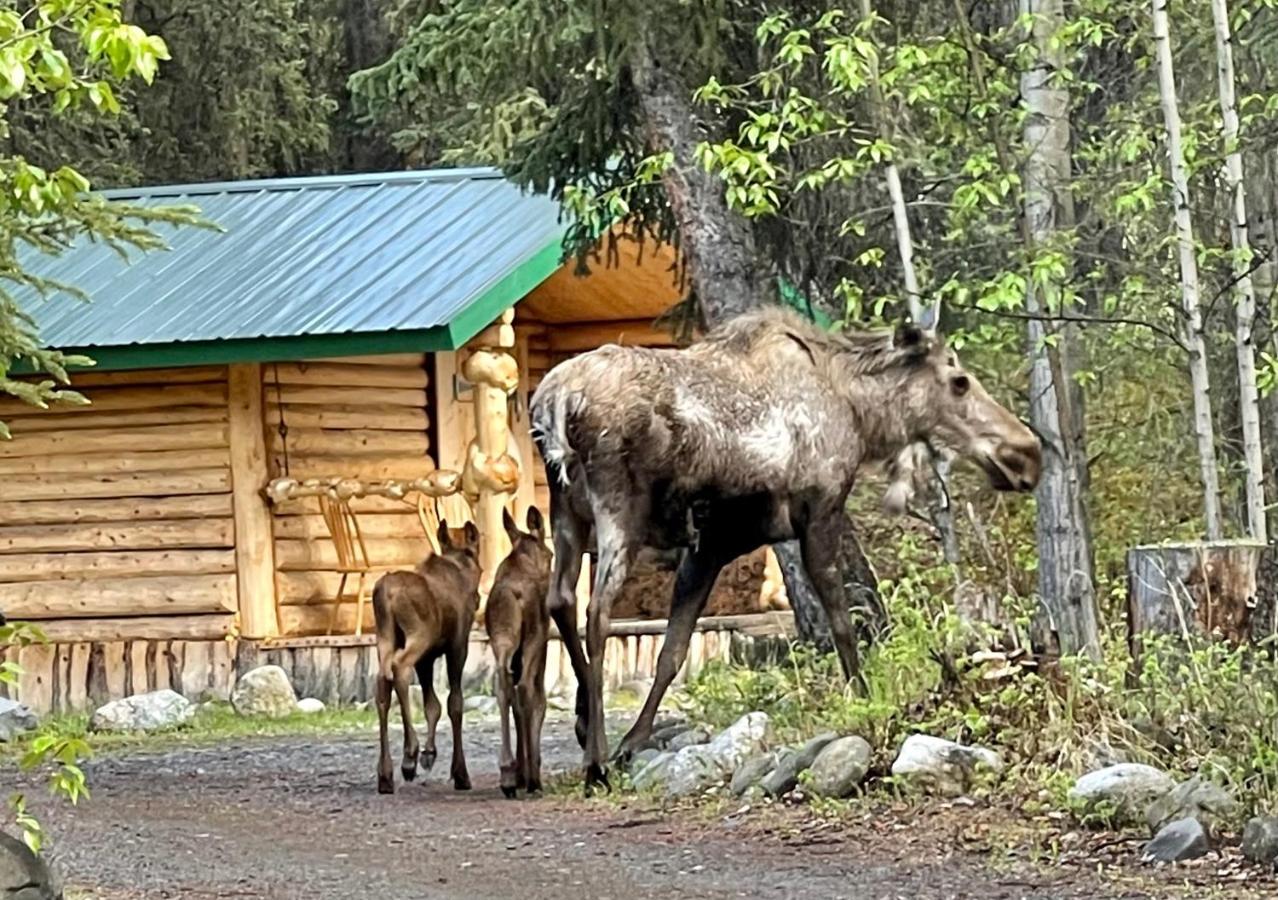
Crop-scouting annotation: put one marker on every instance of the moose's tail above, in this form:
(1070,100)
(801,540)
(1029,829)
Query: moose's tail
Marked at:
(552,406)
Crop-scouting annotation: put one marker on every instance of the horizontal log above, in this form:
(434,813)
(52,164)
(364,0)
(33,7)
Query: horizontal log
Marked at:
(92,418)
(364,469)
(141,628)
(104,463)
(589,335)
(365,442)
(384,359)
(89,598)
(538,360)
(318,588)
(300,621)
(325,395)
(121,509)
(308,373)
(113,564)
(306,506)
(180,533)
(312,528)
(373,415)
(126,484)
(154,377)
(117,440)
(301,556)
(127,398)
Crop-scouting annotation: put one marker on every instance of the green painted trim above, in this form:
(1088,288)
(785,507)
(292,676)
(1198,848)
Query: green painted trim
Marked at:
(240,350)
(508,291)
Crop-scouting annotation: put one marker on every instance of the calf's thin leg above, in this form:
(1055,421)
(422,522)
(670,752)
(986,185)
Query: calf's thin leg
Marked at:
(570,542)
(696,575)
(385,768)
(820,545)
(504,688)
(430,705)
(532,691)
(456,661)
(405,660)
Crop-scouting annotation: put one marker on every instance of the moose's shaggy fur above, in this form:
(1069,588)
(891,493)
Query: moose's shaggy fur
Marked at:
(752,436)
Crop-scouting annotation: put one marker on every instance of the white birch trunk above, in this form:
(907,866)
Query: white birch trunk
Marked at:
(1188,275)
(1245,302)
(1065,584)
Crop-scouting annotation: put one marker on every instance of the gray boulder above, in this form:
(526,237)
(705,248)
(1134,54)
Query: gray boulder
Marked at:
(690,771)
(143,712)
(662,736)
(1193,799)
(652,775)
(841,766)
(689,738)
(695,768)
(741,740)
(750,772)
(785,777)
(1177,841)
(24,875)
(943,766)
(642,758)
(1260,840)
(15,719)
(1126,790)
(264,691)
(481,704)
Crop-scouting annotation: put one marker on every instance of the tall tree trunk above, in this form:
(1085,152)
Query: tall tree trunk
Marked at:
(1245,304)
(1065,565)
(1188,275)
(727,280)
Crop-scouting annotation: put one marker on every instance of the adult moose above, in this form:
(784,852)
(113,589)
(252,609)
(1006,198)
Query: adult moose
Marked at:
(752,436)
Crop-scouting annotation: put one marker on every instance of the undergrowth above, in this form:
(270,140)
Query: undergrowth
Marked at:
(1205,708)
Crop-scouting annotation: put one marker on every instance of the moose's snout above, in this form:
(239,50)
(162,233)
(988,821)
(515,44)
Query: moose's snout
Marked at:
(1018,466)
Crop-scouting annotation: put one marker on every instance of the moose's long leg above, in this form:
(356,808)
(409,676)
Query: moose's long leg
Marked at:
(570,542)
(455,658)
(505,690)
(430,703)
(405,662)
(385,768)
(820,544)
(532,693)
(697,572)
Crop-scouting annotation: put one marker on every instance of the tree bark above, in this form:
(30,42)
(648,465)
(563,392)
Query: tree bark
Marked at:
(727,280)
(1245,296)
(1068,620)
(1188,275)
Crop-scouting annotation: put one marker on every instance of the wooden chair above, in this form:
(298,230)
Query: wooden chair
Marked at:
(352,555)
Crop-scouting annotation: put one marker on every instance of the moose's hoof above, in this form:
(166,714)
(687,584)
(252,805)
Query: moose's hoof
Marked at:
(597,780)
(462,783)
(509,791)
(408,771)
(385,784)
(428,759)
(534,790)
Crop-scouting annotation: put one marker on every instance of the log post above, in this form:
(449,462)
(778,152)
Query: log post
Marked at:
(1192,589)
(491,475)
(254,543)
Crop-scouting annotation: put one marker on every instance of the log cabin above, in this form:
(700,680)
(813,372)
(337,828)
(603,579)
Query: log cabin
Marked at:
(279,411)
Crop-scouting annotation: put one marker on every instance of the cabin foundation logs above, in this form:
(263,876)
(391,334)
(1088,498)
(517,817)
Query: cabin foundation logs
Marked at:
(491,475)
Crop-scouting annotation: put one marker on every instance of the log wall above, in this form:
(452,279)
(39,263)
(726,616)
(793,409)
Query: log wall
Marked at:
(116,518)
(358,417)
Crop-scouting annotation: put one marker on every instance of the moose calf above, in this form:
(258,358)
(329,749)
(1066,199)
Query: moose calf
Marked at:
(518,621)
(420,616)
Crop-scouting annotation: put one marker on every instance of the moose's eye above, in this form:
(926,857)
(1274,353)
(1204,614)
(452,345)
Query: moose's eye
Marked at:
(960,384)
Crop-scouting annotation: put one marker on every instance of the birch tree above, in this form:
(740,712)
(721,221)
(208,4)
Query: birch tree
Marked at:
(1245,296)
(1065,583)
(1193,323)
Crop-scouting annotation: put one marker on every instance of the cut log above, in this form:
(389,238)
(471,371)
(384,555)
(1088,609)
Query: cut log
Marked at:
(310,588)
(374,415)
(103,463)
(116,399)
(47,566)
(117,440)
(349,444)
(92,418)
(363,469)
(122,509)
(382,552)
(1193,589)
(128,484)
(312,528)
(101,597)
(350,396)
(385,359)
(255,549)
(309,506)
(207,627)
(153,377)
(300,621)
(177,533)
(369,376)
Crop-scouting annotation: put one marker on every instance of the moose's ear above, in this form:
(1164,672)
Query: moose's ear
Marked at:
(911,339)
(508,522)
(442,534)
(536,524)
(472,535)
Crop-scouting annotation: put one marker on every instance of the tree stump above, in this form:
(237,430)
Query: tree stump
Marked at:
(1195,589)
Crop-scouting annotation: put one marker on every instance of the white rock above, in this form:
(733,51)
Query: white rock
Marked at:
(746,737)
(310,705)
(143,712)
(264,691)
(15,719)
(942,765)
(1126,789)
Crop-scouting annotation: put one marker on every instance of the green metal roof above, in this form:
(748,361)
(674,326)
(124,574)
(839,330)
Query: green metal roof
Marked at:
(307,267)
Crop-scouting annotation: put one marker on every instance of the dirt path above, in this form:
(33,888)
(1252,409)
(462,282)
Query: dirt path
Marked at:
(294,818)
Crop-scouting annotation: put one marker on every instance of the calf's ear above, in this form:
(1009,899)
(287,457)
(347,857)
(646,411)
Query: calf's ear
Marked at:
(536,524)
(508,522)
(472,535)
(444,539)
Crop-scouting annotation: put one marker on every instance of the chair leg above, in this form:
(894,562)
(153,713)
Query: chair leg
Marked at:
(359,605)
(337,604)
